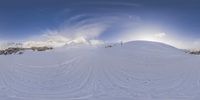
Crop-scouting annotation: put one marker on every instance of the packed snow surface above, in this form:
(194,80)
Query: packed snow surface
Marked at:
(134,71)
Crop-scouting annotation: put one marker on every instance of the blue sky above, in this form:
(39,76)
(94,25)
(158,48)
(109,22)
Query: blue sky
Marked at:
(101,19)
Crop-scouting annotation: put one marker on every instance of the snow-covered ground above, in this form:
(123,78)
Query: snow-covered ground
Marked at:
(134,71)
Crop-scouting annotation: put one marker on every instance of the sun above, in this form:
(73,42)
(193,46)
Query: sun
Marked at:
(157,37)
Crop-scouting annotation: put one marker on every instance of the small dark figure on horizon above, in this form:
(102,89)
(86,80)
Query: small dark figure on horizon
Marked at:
(121,43)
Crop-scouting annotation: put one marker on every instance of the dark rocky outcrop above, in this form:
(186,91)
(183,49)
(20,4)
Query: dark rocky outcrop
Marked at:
(41,48)
(10,51)
(194,52)
(108,46)
(18,50)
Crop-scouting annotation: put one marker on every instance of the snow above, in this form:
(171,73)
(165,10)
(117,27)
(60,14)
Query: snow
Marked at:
(136,70)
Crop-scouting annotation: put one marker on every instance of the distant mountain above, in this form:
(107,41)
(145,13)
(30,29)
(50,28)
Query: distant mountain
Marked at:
(55,41)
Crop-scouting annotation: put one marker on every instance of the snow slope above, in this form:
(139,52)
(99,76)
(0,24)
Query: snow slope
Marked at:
(137,70)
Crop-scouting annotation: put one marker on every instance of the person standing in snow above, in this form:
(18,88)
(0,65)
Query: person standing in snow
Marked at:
(121,43)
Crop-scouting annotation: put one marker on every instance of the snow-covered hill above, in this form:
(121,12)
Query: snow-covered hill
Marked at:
(136,70)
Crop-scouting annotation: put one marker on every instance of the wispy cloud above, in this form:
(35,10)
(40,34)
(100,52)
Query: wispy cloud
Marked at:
(160,35)
(90,26)
(116,3)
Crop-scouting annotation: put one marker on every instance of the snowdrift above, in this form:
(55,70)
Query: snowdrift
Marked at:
(136,70)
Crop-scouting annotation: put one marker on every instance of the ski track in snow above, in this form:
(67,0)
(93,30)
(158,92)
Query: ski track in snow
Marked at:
(134,71)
